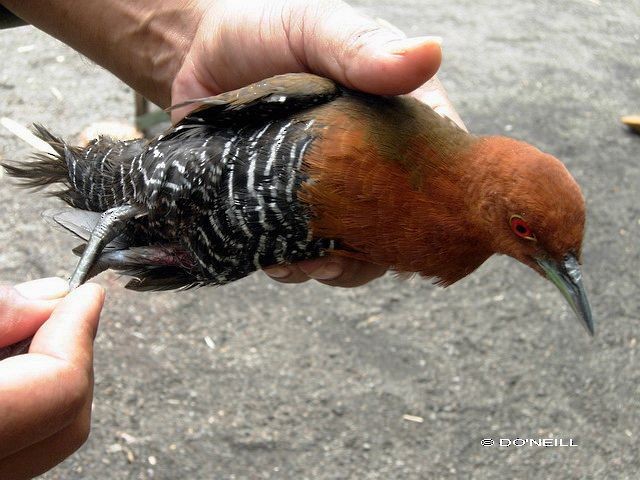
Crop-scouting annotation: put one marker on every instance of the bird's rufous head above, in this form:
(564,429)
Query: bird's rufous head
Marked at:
(535,213)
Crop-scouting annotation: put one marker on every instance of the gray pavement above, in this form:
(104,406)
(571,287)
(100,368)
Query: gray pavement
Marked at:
(313,382)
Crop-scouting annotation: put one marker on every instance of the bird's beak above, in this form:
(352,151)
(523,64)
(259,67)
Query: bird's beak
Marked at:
(566,275)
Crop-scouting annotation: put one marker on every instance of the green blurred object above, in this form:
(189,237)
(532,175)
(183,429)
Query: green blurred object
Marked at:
(146,120)
(151,119)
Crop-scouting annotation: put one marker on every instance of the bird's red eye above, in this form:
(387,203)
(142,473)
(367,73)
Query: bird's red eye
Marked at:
(520,228)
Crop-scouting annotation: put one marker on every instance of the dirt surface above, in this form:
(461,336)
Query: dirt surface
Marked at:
(259,380)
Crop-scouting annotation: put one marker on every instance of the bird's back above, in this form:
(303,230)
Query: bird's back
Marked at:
(229,195)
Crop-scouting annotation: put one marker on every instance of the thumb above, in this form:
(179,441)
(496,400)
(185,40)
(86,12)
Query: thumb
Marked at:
(71,329)
(366,55)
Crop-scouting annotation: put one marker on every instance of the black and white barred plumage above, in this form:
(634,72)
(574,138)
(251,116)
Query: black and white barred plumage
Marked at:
(217,193)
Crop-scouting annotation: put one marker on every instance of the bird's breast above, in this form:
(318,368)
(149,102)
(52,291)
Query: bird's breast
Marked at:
(388,193)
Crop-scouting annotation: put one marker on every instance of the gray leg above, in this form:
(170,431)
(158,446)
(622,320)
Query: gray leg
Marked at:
(110,225)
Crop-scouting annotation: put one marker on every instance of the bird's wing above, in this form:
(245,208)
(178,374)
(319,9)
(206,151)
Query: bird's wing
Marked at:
(279,95)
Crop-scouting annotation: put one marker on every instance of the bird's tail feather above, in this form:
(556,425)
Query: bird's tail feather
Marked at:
(92,182)
(45,168)
(89,177)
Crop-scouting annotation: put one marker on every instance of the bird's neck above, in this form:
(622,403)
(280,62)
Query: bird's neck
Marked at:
(451,243)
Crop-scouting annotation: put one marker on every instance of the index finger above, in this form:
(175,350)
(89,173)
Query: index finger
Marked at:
(45,391)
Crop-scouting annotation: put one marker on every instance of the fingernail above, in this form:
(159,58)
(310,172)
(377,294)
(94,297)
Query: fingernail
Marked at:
(278,272)
(329,271)
(44,288)
(404,45)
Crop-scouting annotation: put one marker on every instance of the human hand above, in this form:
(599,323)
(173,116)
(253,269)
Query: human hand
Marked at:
(45,395)
(237,43)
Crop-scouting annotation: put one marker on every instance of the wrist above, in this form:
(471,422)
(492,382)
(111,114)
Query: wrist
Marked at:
(158,46)
(143,42)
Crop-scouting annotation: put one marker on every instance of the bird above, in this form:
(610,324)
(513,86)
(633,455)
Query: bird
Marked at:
(297,166)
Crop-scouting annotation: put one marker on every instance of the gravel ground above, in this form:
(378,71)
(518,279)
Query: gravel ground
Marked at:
(257,380)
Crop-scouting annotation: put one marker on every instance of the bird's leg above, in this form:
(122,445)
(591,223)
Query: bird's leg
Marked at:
(110,225)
